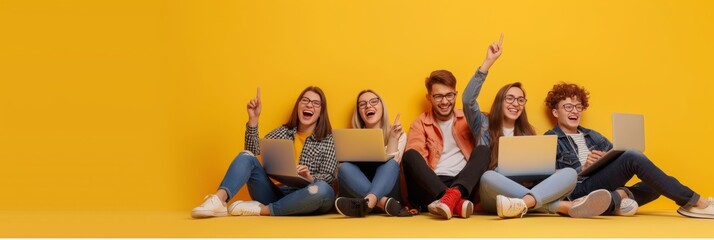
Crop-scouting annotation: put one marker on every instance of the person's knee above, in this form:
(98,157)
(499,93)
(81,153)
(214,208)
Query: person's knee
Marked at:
(482,151)
(635,157)
(320,190)
(410,155)
(570,174)
(246,157)
(489,177)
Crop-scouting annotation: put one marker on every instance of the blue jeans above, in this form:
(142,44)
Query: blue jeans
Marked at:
(654,181)
(547,193)
(316,198)
(354,181)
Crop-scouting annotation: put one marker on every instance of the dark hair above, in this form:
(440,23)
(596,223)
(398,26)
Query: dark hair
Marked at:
(323,126)
(562,90)
(440,76)
(495,121)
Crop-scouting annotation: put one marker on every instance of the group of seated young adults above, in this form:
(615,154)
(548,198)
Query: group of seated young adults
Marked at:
(447,161)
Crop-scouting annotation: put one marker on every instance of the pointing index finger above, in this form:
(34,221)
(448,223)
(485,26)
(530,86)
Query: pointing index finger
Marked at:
(500,40)
(396,120)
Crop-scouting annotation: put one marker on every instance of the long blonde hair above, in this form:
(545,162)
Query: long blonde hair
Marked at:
(357,121)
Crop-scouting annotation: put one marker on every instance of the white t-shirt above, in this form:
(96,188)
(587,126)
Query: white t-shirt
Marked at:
(583,151)
(507,132)
(452,161)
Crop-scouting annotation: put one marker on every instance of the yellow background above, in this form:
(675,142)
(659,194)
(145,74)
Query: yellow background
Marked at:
(140,105)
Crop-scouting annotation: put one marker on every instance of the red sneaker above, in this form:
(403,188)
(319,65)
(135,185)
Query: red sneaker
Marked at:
(444,206)
(464,208)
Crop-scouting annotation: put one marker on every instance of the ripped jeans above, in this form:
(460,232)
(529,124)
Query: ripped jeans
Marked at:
(316,198)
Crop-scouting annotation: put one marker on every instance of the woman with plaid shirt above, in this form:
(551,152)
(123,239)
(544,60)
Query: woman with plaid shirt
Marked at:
(310,130)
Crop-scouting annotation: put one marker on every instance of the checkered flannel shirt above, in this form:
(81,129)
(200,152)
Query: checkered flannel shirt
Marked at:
(318,156)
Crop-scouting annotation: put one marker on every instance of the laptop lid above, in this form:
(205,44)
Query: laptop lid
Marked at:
(359,145)
(528,157)
(628,131)
(280,163)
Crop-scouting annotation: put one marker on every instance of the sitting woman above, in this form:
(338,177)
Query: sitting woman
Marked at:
(309,129)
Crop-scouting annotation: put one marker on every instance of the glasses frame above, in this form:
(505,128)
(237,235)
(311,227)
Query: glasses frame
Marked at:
(579,107)
(315,103)
(440,97)
(372,102)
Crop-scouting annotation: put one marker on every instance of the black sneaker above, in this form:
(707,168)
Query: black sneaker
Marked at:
(352,207)
(394,208)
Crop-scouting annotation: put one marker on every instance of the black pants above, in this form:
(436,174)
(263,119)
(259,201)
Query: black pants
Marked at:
(424,186)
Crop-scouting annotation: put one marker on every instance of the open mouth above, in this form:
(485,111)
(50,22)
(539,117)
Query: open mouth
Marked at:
(573,118)
(370,113)
(513,110)
(307,113)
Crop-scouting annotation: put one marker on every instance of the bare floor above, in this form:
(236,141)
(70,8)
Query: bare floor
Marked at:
(648,224)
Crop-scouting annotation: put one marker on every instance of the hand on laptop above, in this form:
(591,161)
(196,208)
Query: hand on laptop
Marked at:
(304,172)
(593,157)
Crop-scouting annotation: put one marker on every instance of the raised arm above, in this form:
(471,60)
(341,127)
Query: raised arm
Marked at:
(251,128)
(478,122)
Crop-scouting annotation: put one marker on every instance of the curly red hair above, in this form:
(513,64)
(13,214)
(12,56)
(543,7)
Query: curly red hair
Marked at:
(562,91)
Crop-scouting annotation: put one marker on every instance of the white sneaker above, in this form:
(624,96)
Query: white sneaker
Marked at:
(628,207)
(440,209)
(707,212)
(594,204)
(510,207)
(211,207)
(245,208)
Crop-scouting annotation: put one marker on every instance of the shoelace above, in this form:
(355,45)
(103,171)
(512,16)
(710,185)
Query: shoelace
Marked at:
(519,204)
(207,202)
(451,198)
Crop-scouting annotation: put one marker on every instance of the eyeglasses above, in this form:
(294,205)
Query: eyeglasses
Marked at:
(373,102)
(315,103)
(510,99)
(569,107)
(449,96)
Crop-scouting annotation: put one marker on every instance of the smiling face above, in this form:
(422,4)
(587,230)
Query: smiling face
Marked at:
(370,114)
(514,109)
(568,120)
(441,105)
(309,110)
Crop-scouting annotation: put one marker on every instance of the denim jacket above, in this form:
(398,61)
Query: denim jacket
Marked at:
(478,121)
(567,150)
(318,156)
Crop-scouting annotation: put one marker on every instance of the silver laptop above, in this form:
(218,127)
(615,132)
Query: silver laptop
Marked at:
(280,163)
(527,158)
(359,145)
(628,132)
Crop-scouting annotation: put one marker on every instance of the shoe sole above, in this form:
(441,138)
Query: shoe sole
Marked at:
(693,215)
(631,210)
(386,210)
(207,214)
(439,210)
(338,209)
(467,208)
(499,209)
(594,204)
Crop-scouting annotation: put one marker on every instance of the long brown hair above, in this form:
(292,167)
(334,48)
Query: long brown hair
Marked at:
(323,126)
(495,121)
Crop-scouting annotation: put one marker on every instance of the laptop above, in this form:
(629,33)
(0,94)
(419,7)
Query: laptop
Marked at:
(279,162)
(628,132)
(359,145)
(527,158)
